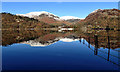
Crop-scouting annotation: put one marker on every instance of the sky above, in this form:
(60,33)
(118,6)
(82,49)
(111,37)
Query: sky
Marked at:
(60,0)
(77,9)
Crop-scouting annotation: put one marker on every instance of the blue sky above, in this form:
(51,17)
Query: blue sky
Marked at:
(78,9)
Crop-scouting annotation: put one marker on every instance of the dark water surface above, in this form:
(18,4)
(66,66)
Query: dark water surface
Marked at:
(51,50)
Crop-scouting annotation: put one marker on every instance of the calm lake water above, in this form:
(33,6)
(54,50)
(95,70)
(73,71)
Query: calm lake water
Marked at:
(67,50)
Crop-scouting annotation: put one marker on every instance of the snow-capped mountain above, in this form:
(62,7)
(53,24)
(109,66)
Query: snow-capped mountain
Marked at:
(51,18)
(47,14)
(68,17)
(39,14)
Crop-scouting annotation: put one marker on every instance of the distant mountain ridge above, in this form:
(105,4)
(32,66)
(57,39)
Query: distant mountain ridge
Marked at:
(39,14)
(49,17)
(44,13)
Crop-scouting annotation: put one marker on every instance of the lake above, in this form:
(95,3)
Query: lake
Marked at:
(66,50)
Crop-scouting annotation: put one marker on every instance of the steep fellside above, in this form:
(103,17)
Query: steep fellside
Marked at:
(10,21)
(102,19)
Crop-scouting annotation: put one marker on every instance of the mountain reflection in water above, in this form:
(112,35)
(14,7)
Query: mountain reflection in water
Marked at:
(106,39)
(104,44)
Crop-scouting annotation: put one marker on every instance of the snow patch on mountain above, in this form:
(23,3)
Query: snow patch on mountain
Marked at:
(96,10)
(68,17)
(68,40)
(36,14)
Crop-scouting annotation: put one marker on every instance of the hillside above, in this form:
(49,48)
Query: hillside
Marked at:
(104,19)
(10,21)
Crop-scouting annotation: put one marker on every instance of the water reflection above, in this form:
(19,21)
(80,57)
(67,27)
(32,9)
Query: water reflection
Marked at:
(96,50)
(97,39)
(102,43)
